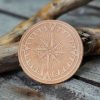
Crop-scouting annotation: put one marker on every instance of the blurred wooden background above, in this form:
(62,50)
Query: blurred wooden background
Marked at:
(85,85)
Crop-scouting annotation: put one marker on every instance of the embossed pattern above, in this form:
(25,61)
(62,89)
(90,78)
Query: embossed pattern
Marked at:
(50,52)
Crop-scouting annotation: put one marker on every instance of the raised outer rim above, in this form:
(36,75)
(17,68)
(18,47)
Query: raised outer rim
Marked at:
(73,71)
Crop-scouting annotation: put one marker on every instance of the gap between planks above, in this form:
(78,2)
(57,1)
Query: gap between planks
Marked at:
(13,14)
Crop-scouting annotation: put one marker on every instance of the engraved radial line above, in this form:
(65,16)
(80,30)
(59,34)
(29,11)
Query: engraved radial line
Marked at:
(48,60)
(41,40)
(39,49)
(28,49)
(48,64)
(56,67)
(43,56)
(56,45)
(59,44)
(44,43)
(58,52)
(55,57)
(51,39)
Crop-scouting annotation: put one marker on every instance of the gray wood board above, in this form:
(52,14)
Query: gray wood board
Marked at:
(22,7)
(69,90)
(26,7)
(29,7)
(90,69)
(7,23)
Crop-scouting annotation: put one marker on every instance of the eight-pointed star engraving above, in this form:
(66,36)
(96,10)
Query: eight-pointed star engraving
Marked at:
(61,51)
(49,50)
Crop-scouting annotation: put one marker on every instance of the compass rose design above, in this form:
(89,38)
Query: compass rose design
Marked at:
(50,52)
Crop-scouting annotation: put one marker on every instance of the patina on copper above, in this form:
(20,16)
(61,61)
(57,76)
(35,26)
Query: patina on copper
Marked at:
(50,51)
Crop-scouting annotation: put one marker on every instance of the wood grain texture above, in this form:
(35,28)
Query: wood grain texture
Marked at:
(89,17)
(90,69)
(8,57)
(52,10)
(7,22)
(69,90)
(13,64)
(8,54)
(29,6)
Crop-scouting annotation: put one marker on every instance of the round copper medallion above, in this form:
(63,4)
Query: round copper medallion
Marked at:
(50,51)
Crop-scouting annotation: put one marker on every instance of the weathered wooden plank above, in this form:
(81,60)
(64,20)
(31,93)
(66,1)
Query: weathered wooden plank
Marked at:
(7,22)
(97,3)
(82,20)
(29,6)
(32,6)
(22,7)
(69,90)
(90,69)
